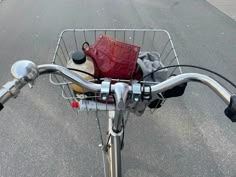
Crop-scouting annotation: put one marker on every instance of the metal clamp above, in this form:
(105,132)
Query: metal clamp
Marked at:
(105,89)
(136,92)
(147,92)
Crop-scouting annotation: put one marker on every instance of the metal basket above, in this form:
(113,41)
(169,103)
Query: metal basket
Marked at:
(150,40)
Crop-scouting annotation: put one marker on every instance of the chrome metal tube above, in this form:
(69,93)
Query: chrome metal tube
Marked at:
(4,95)
(114,148)
(70,75)
(121,91)
(116,156)
(10,89)
(222,92)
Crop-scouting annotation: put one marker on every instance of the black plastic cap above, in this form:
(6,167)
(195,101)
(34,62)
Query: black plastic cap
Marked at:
(230,111)
(78,57)
(1,106)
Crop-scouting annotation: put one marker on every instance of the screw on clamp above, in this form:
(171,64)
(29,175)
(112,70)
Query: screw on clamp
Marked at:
(136,91)
(147,92)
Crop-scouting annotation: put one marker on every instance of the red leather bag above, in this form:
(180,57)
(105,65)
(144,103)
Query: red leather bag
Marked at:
(113,58)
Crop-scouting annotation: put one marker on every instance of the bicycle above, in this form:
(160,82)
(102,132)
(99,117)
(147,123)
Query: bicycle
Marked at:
(124,92)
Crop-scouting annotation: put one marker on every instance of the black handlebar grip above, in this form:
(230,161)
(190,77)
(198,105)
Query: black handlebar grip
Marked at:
(230,111)
(1,106)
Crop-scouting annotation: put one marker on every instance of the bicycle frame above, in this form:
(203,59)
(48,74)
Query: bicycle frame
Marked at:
(114,148)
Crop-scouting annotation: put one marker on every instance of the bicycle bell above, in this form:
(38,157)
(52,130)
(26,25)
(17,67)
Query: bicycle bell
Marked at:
(24,70)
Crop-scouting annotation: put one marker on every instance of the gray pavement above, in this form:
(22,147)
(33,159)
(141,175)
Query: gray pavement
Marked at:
(189,136)
(226,6)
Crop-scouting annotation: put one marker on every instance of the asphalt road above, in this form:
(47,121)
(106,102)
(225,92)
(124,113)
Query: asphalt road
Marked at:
(188,136)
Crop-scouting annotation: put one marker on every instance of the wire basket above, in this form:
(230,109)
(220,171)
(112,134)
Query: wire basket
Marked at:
(70,40)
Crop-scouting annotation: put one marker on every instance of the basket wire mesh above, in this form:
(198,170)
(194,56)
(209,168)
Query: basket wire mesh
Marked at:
(150,40)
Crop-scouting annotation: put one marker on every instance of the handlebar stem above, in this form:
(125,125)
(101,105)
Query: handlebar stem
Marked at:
(121,91)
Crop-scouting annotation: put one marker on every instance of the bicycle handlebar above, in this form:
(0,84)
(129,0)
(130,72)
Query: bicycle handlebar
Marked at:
(25,71)
(222,92)
(161,87)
